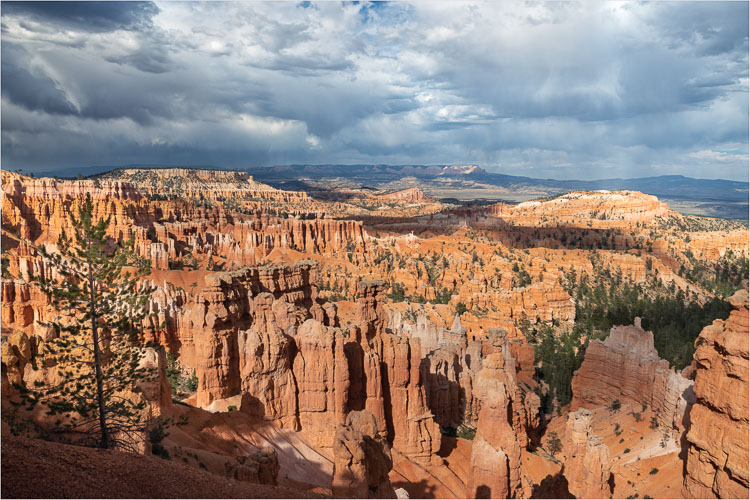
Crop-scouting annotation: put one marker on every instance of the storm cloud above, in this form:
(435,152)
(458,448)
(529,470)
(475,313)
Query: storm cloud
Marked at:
(557,89)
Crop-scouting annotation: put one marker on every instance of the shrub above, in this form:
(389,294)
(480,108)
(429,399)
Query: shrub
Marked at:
(615,405)
(179,382)
(192,383)
(554,444)
(461,308)
(397,292)
(654,423)
(466,432)
(156,435)
(654,471)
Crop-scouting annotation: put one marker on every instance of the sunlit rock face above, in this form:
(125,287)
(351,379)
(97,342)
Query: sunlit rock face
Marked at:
(626,367)
(717,459)
(587,466)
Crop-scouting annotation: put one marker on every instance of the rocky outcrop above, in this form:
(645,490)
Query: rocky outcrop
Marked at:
(246,350)
(712,246)
(414,195)
(260,334)
(601,205)
(717,458)
(587,466)
(361,459)
(386,380)
(451,373)
(261,467)
(627,367)
(23,306)
(172,217)
(496,454)
(155,388)
(18,350)
(265,366)
(202,184)
(321,370)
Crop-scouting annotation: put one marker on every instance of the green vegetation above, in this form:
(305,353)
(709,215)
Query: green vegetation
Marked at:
(156,435)
(442,296)
(605,300)
(654,423)
(724,278)
(96,353)
(556,353)
(466,432)
(181,384)
(554,445)
(522,278)
(5,266)
(397,292)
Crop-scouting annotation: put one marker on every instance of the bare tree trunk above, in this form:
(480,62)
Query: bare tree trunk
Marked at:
(98,364)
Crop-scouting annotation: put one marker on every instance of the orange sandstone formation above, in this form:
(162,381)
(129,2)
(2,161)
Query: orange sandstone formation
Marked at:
(362,459)
(261,467)
(587,459)
(627,367)
(408,194)
(309,346)
(717,459)
(496,454)
(580,205)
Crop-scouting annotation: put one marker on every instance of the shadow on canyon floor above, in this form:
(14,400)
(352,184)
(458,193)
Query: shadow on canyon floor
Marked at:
(419,489)
(552,487)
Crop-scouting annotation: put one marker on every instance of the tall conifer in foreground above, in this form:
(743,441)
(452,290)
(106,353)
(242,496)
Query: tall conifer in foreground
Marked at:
(102,301)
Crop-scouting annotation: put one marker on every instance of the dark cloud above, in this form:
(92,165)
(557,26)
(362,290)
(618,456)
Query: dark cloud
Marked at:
(86,16)
(34,91)
(558,89)
(146,61)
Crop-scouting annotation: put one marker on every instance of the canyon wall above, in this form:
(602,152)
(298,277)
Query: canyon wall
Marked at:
(175,230)
(717,458)
(627,367)
(260,334)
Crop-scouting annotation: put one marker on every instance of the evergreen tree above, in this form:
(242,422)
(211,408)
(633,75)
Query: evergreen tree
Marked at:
(554,444)
(94,359)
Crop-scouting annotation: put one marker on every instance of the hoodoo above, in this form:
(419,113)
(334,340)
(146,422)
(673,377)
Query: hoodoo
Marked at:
(717,457)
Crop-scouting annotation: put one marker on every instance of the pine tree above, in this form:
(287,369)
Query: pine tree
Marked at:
(554,444)
(93,363)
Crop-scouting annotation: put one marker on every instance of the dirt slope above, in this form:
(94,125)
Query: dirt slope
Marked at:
(33,468)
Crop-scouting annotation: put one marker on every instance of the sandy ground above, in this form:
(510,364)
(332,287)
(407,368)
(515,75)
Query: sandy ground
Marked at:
(646,468)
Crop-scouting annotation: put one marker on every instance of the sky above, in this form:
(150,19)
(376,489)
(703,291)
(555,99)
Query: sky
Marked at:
(555,90)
